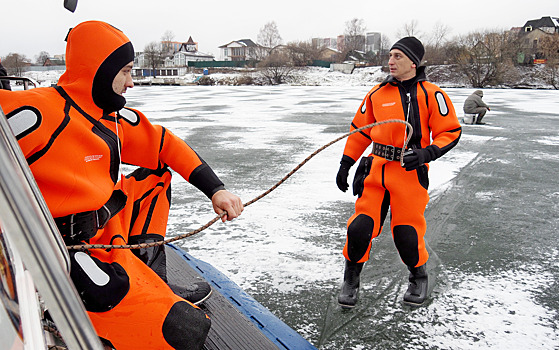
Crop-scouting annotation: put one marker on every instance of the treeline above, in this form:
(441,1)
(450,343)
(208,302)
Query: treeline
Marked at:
(480,58)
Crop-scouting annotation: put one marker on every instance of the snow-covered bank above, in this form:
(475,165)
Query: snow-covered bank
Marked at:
(522,77)
(307,76)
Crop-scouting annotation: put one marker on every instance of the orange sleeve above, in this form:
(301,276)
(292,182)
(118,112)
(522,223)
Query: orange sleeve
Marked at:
(357,143)
(443,122)
(149,146)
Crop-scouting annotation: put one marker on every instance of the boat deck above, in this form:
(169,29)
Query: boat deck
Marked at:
(238,321)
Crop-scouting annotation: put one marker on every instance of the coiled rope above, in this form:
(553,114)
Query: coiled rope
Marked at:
(211,222)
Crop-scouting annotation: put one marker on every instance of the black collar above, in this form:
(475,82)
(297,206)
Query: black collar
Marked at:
(419,76)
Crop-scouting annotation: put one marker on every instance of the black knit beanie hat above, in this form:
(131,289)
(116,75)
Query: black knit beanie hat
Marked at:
(411,47)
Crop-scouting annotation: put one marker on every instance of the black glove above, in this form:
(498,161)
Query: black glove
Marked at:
(341,178)
(413,159)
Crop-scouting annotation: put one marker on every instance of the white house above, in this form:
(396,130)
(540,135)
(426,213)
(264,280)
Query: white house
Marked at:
(188,51)
(239,50)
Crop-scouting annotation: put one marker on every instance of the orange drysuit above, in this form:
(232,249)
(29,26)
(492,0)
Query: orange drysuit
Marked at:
(381,182)
(74,137)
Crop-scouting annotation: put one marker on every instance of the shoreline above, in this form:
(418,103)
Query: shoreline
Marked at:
(529,78)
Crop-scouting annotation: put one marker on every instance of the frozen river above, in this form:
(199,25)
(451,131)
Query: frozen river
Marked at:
(493,226)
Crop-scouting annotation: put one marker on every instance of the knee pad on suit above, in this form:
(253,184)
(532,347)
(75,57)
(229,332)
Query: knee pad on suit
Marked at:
(185,327)
(100,285)
(406,241)
(359,234)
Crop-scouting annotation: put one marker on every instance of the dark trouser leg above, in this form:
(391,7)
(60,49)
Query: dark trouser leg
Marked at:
(481,113)
(150,316)
(154,257)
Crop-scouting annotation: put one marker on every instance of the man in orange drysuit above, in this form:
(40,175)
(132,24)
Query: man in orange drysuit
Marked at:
(75,136)
(381,182)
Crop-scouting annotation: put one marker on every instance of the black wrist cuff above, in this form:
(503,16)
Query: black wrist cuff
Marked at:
(347,161)
(204,179)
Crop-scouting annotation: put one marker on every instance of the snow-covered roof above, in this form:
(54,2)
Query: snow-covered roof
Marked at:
(194,54)
(543,22)
(242,42)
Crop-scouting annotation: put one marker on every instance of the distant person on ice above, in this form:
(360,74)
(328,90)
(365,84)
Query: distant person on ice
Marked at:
(75,136)
(381,183)
(4,83)
(475,105)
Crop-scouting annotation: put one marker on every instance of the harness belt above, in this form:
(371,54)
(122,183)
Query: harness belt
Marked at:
(387,152)
(83,226)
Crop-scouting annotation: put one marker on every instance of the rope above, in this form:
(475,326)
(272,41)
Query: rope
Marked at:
(211,222)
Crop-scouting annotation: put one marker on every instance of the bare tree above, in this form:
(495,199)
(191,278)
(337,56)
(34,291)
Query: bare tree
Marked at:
(439,34)
(269,37)
(42,57)
(481,57)
(550,48)
(354,35)
(276,67)
(15,63)
(434,48)
(166,38)
(154,56)
(409,29)
(302,53)
(382,55)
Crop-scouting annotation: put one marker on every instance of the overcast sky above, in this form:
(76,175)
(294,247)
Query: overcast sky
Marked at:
(32,26)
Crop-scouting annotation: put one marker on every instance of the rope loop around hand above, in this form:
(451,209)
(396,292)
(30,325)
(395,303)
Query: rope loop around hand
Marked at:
(211,222)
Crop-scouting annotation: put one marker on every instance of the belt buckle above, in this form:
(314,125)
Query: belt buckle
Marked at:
(101,225)
(389,155)
(72,224)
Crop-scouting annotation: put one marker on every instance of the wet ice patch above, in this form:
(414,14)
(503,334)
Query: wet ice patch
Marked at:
(485,196)
(443,170)
(549,140)
(543,156)
(491,312)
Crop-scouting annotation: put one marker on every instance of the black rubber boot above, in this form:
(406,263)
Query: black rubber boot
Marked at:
(480,117)
(195,291)
(417,288)
(350,287)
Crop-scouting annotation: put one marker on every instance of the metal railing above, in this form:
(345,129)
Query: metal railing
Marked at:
(32,231)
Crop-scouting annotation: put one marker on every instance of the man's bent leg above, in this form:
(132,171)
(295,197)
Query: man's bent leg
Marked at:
(480,114)
(150,316)
(149,192)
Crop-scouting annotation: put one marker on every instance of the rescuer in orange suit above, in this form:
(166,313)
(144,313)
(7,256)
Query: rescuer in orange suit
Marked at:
(75,137)
(381,182)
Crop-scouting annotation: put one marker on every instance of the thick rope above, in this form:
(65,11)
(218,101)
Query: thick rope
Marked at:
(211,222)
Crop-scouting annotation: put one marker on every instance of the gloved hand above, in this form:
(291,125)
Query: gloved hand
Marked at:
(341,178)
(413,159)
